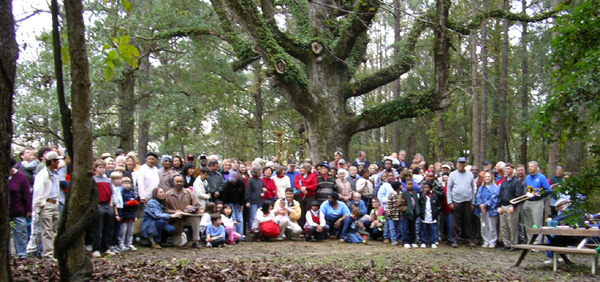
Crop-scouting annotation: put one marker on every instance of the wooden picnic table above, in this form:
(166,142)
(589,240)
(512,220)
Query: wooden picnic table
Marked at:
(582,248)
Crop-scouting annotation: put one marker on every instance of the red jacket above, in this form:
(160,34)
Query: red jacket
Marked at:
(271,189)
(309,182)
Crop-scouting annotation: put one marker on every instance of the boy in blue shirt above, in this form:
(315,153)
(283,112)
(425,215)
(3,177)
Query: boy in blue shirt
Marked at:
(215,232)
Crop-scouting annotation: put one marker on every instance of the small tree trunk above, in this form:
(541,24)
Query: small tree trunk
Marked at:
(503,88)
(476,101)
(258,114)
(127,111)
(484,82)
(81,202)
(9,53)
(524,86)
(441,59)
(143,124)
(396,88)
(554,153)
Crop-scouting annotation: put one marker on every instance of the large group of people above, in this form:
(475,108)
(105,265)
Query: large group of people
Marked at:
(207,201)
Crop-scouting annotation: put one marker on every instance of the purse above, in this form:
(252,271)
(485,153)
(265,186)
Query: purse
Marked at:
(269,229)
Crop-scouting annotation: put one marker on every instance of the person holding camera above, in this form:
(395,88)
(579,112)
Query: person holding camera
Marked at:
(181,199)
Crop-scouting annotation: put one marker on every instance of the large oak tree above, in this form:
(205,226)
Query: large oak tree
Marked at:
(314,59)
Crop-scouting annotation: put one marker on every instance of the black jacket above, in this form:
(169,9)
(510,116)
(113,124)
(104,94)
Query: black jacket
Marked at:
(509,190)
(435,206)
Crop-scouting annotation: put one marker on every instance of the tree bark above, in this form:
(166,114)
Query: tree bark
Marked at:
(258,101)
(554,152)
(81,202)
(441,59)
(524,86)
(396,89)
(503,88)
(9,53)
(127,111)
(484,83)
(476,100)
(143,124)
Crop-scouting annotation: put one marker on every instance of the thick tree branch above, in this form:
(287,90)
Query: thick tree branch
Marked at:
(473,23)
(357,24)
(287,72)
(383,76)
(294,48)
(408,106)
(187,32)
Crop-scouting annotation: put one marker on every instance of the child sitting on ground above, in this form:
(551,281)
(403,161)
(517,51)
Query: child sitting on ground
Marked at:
(315,227)
(376,219)
(215,232)
(352,225)
(430,209)
(283,211)
(205,220)
(230,223)
(128,215)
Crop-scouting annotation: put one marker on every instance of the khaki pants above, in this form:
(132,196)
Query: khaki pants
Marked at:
(509,226)
(194,222)
(533,214)
(49,222)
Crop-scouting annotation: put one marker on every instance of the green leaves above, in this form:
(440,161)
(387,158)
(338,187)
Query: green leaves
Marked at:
(122,50)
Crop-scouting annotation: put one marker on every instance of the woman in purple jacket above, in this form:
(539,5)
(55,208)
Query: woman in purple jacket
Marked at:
(20,207)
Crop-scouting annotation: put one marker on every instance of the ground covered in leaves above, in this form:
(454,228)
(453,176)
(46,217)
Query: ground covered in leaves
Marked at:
(326,261)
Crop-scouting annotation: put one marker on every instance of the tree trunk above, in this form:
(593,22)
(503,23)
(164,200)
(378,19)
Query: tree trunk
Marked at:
(82,199)
(554,153)
(143,124)
(441,59)
(524,86)
(127,111)
(476,101)
(9,53)
(396,88)
(503,88)
(258,101)
(484,83)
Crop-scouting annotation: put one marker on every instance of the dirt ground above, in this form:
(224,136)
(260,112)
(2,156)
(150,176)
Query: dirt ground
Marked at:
(311,261)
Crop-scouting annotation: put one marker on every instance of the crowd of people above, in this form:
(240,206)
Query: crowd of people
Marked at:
(168,201)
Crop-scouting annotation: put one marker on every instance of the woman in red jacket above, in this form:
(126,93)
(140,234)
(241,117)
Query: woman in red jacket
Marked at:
(270,189)
(306,183)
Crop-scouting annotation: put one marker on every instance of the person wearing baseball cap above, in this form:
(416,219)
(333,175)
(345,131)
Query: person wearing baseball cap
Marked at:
(461,200)
(45,206)
(316,227)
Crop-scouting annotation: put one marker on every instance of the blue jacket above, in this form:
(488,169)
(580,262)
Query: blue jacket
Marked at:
(128,212)
(489,197)
(361,205)
(154,211)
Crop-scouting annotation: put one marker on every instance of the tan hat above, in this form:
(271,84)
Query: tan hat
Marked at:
(53,156)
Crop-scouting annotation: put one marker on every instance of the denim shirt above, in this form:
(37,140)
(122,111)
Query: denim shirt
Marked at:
(489,197)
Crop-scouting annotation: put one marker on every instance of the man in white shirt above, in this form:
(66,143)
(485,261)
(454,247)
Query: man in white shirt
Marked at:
(148,179)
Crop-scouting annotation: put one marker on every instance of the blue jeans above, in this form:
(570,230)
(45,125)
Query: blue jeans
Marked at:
(312,231)
(391,229)
(418,225)
(429,233)
(239,217)
(164,229)
(353,238)
(20,235)
(253,209)
(408,231)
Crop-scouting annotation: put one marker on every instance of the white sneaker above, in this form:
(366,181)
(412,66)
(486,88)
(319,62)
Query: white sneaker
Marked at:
(89,248)
(491,246)
(485,245)
(434,246)
(110,253)
(208,245)
(407,246)
(96,254)
(131,248)
(414,245)
(423,246)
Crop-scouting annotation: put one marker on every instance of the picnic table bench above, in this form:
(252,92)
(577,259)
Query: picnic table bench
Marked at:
(582,248)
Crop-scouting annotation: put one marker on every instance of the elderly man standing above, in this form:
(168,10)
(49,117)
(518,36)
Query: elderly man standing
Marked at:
(147,178)
(181,199)
(533,209)
(461,200)
(45,205)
